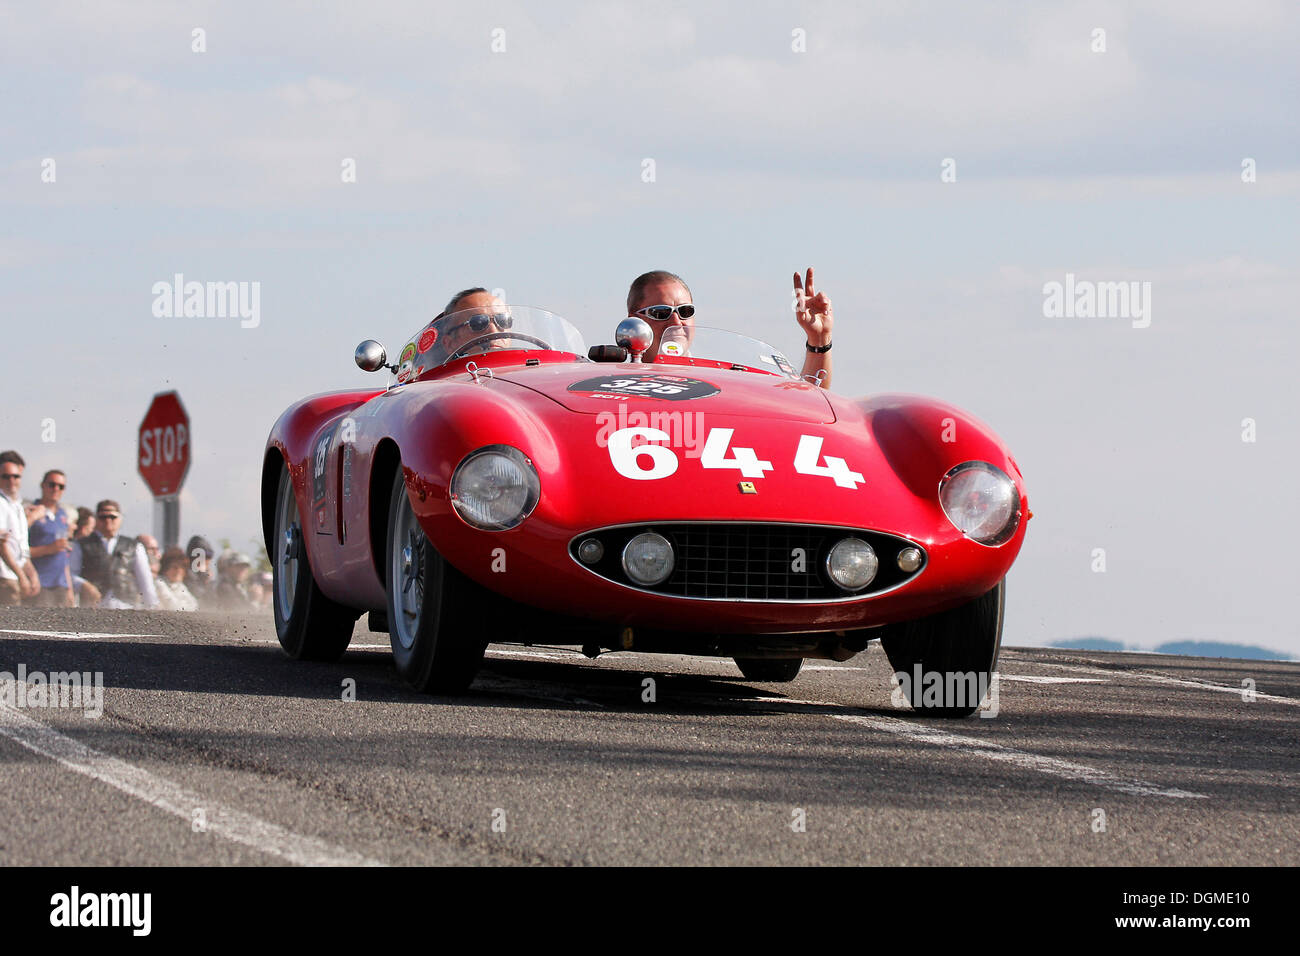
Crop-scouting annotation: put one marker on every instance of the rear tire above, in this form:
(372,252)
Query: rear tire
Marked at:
(963,640)
(769,671)
(309,625)
(430,629)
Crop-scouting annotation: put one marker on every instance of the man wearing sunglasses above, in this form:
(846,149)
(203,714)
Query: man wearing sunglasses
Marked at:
(114,563)
(18,578)
(664,300)
(469,315)
(51,546)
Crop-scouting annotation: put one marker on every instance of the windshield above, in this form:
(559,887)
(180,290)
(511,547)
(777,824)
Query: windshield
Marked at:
(682,343)
(479,331)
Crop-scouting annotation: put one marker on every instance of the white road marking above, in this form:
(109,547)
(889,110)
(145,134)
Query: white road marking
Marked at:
(72,635)
(1176,681)
(222,821)
(1027,679)
(1052,766)
(352,647)
(577,657)
(569,656)
(1024,679)
(986,748)
(545,655)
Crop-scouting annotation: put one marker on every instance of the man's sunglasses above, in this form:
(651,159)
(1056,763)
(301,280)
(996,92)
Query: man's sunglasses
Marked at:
(55,484)
(480,322)
(662,313)
(11,475)
(108,517)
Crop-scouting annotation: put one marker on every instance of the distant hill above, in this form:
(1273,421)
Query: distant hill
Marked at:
(1249,652)
(1089,644)
(1220,649)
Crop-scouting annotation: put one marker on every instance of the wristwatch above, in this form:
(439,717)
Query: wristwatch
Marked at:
(818,349)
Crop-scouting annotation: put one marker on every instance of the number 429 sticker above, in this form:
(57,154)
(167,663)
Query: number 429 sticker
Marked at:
(648,462)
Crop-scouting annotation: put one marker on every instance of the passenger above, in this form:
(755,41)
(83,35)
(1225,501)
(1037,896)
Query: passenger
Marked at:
(664,300)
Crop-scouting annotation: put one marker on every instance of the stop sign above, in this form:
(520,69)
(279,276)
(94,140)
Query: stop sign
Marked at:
(164,450)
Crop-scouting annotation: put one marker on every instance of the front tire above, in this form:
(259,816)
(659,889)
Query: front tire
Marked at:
(309,625)
(962,641)
(768,671)
(433,638)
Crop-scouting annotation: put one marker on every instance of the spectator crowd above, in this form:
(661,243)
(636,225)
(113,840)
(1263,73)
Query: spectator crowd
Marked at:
(54,556)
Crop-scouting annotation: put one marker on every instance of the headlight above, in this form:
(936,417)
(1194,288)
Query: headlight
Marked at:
(648,559)
(852,564)
(981,501)
(495,488)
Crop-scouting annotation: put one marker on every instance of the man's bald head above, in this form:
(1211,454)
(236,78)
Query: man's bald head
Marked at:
(457,301)
(645,282)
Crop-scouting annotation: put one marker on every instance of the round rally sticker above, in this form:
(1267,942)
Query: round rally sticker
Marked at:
(673,388)
(427,338)
(408,353)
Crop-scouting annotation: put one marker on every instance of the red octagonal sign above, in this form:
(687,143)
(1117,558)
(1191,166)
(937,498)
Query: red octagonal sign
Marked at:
(163,453)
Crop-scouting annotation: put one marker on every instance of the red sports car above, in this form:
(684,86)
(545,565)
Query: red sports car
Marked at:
(509,485)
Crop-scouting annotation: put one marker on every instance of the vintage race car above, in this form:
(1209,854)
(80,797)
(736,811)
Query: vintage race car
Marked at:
(509,485)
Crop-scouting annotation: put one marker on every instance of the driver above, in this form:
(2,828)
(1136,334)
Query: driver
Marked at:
(472,313)
(664,301)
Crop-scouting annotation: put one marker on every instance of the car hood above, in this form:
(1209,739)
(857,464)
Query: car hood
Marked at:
(597,388)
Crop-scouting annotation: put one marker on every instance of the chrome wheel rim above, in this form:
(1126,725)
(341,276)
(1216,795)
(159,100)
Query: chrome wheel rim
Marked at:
(288,545)
(409,552)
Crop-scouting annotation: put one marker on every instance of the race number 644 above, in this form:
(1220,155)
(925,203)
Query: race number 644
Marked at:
(648,462)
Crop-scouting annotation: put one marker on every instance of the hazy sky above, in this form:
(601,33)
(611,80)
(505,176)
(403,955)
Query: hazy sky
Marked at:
(506,145)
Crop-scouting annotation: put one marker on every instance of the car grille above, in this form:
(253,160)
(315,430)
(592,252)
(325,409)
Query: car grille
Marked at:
(749,562)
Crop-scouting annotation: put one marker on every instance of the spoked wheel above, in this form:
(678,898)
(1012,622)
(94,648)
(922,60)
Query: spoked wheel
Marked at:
(769,671)
(309,625)
(435,644)
(959,646)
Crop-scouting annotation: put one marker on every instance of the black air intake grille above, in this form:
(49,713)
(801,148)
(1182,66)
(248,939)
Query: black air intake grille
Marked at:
(749,562)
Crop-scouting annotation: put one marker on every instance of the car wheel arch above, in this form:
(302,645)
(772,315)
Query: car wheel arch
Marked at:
(272,464)
(385,462)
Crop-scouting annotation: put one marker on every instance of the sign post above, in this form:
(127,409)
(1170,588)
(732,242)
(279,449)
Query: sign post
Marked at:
(163,459)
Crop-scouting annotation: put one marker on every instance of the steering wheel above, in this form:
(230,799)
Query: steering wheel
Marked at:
(498,335)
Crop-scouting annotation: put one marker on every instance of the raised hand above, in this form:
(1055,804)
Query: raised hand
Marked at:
(813,310)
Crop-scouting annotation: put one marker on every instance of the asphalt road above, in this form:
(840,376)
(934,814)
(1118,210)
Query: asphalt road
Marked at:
(213,749)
